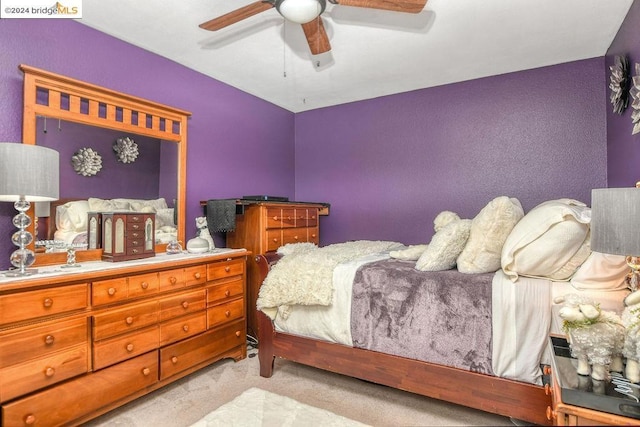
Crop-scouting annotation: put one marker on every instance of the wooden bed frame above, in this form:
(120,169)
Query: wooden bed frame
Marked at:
(522,401)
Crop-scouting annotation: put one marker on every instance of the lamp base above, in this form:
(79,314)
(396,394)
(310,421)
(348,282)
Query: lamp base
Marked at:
(633,278)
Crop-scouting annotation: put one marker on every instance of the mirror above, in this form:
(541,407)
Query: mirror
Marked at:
(64,114)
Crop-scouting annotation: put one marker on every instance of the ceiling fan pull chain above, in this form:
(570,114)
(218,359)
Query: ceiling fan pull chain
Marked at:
(284,48)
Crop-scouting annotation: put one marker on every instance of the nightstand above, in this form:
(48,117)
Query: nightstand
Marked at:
(579,401)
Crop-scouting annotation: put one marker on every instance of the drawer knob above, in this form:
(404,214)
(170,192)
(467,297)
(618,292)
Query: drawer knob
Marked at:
(49,339)
(144,285)
(238,333)
(134,251)
(111,291)
(129,347)
(227,313)
(174,360)
(173,280)
(295,237)
(227,269)
(227,293)
(197,275)
(146,371)
(185,304)
(275,240)
(48,302)
(49,372)
(185,328)
(275,218)
(313,235)
(135,226)
(30,419)
(128,320)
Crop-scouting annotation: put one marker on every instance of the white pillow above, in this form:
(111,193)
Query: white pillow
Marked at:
(603,272)
(72,216)
(139,205)
(551,241)
(489,230)
(411,253)
(445,246)
(164,217)
(102,205)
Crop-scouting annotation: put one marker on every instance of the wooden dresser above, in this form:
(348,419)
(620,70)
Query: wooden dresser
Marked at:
(76,344)
(264,227)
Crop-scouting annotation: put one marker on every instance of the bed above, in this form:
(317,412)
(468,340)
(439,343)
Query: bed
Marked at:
(487,355)
(70,219)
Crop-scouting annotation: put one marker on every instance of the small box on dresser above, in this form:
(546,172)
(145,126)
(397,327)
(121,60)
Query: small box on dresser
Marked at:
(128,235)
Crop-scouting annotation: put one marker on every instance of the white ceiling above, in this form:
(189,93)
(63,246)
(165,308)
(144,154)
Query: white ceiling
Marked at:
(374,53)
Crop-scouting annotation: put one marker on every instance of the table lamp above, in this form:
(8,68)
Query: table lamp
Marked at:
(28,173)
(615,226)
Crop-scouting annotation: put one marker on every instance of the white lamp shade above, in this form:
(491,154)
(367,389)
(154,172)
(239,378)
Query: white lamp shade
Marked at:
(615,221)
(28,171)
(300,11)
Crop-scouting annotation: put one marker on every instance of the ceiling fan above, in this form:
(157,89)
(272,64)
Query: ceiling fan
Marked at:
(307,13)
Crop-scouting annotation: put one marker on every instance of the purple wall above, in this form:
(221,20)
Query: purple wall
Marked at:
(389,165)
(623,151)
(229,155)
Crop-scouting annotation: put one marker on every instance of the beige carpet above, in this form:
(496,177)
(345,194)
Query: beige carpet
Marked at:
(256,407)
(190,399)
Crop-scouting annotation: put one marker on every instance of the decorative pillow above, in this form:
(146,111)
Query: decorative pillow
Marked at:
(444,218)
(411,253)
(602,272)
(489,230)
(72,216)
(445,246)
(115,205)
(164,217)
(551,241)
(138,205)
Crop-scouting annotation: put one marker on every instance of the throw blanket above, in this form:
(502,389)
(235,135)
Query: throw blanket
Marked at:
(442,317)
(305,277)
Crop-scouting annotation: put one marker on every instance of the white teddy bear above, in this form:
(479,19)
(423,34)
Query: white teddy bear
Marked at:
(596,336)
(203,231)
(631,321)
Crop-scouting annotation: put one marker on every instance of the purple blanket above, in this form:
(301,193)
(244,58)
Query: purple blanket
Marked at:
(441,317)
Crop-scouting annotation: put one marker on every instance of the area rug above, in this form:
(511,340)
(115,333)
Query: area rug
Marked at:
(257,407)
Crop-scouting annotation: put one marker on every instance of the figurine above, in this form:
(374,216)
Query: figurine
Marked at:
(203,231)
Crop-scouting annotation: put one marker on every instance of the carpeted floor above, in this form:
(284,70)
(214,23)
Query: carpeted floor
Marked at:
(190,399)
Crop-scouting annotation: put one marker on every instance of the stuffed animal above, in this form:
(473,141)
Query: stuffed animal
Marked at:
(203,231)
(596,336)
(631,321)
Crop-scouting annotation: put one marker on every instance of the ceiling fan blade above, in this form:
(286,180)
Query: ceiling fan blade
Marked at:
(316,36)
(236,15)
(408,6)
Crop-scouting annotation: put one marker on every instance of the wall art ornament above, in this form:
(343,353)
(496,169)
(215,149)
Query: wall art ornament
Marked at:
(635,103)
(86,162)
(619,83)
(126,150)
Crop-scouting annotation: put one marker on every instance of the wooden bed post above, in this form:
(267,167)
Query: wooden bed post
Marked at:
(265,345)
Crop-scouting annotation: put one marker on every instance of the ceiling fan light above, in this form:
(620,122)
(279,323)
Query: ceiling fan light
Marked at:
(300,11)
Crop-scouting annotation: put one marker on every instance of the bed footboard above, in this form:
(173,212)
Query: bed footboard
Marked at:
(509,398)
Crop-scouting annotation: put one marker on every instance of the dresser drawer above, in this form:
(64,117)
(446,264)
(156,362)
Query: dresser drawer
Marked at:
(222,291)
(182,327)
(312,217)
(185,303)
(224,313)
(185,354)
(69,401)
(294,235)
(195,275)
(46,302)
(274,240)
(313,235)
(26,377)
(224,269)
(111,351)
(130,317)
(109,291)
(29,343)
(171,279)
(143,284)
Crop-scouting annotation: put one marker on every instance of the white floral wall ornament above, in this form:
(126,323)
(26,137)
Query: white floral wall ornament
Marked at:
(86,162)
(635,103)
(126,150)
(619,84)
